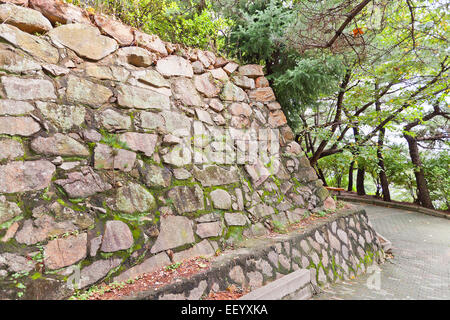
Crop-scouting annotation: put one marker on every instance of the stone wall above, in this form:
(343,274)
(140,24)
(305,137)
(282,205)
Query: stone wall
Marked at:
(122,153)
(339,248)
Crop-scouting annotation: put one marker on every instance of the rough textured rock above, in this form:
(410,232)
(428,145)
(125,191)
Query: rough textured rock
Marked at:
(251,70)
(113,120)
(64,252)
(205,85)
(216,176)
(28,89)
(117,237)
(10,149)
(84,39)
(96,271)
(110,158)
(64,117)
(155,176)
(174,66)
(8,210)
(25,176)
(134,198)
(59,145)
(136,56)
(231,92)
(140,98)
(209,229)
(235,219)
(25,19)
(175,231)
(150,42)
(184,90)
(122,33)
(13,107)
(220,199)
(60,12)
(86,92)
(201,249)
(38,230)
(83,184)
(15,263)
(187,199)
(142,142)
(151,264)
(17,63)
(33,45)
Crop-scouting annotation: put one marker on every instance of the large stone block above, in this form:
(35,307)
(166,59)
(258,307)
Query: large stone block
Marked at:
(175,231)
(187,199)
(26,176)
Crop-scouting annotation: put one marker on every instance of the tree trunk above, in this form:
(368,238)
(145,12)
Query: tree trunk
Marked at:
(322,176)
(382,175)
(350,176)
(422,187)
(360,190)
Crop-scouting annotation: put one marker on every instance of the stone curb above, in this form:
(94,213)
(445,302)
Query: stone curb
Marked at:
(394,205)
(297,283)
(256,249)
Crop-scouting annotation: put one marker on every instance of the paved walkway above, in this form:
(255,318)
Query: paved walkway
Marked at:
(420,268)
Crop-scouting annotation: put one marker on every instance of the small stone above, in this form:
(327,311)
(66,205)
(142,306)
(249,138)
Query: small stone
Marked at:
(152,77)
(251,70)
(221,199)
(237,275)
(64,117)
(231,67)
(143,142)
(83,184)
(140,98)
(231,92)
(22,126)
(201,249)
(10,149)
(151,42)
(204,84)
(136,56)
(96,271)
(122,33)
(235,219)
(181,174)
(187,199)
(33,45)
(174,66)
(107,158)
(149,265)
(255,279)
(209,229)
(13,107)
(117,237)
(134,198)
(244,82)
(261,82)
(262,94)
(113,120)
(219,74)
(15,63)
(8,210)
(155,176)
(184,90)
(216,176)
(277,119)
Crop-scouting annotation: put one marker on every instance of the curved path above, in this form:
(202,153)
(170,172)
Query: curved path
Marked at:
(420,268)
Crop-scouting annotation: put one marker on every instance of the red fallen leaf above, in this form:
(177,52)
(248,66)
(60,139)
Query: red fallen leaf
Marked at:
(357,31)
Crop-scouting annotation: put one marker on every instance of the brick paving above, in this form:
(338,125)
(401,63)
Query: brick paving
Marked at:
(420,269)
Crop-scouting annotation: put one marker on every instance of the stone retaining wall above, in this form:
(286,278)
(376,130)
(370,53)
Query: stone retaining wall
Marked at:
(122,153)
(343,247)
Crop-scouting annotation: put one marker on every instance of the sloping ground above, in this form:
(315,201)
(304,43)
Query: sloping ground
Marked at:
(420,267)
(120,154)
